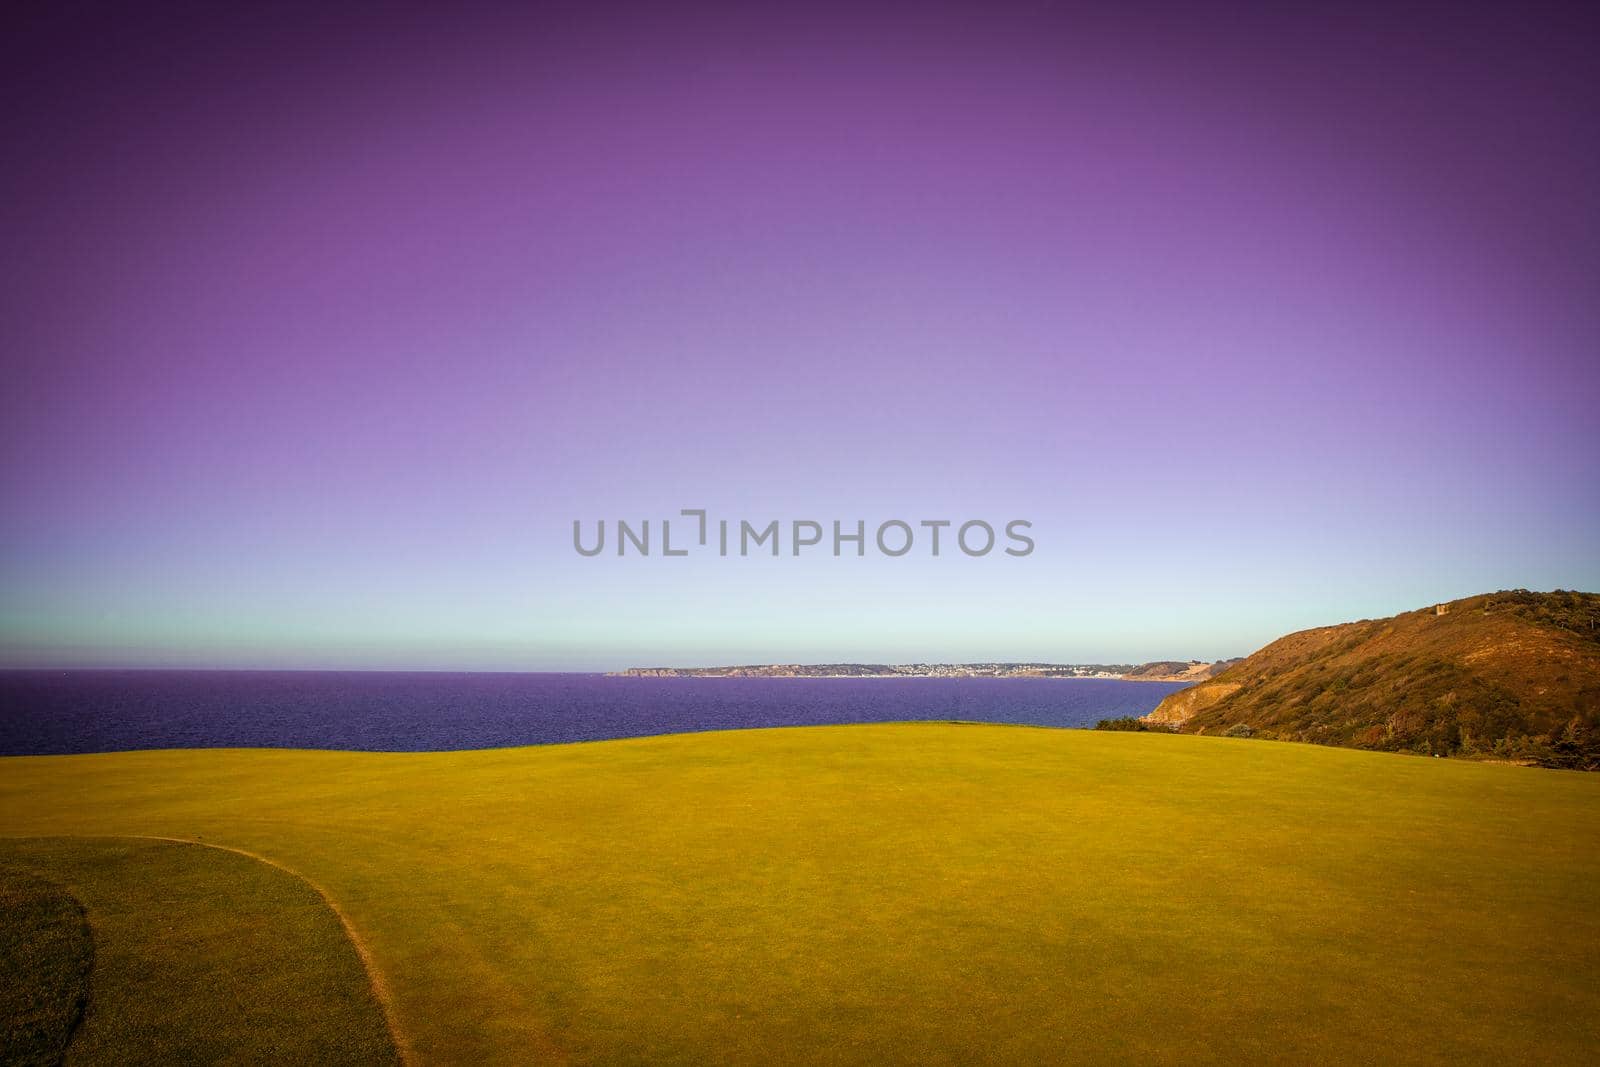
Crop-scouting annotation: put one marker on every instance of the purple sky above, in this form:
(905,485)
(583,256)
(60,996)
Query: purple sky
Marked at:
(321,329)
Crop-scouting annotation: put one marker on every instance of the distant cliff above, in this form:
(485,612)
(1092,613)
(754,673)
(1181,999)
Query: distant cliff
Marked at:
(1174,671)
(1513,675)
(1162,671)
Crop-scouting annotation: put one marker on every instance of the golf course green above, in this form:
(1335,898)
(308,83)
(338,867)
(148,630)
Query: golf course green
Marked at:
(903,893)
(197,955)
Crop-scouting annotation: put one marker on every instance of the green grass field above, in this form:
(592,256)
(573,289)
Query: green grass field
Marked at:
(929,893)
(199,956)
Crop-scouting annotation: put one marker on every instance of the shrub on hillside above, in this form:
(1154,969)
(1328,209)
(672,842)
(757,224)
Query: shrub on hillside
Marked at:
(1125,723)
(1577,748)
(1240,729)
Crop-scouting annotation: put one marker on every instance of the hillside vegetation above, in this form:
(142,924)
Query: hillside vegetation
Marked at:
(916,893)
(1511,675)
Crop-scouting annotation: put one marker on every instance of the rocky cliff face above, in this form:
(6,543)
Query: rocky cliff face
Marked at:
(1514,675)
(1185,704)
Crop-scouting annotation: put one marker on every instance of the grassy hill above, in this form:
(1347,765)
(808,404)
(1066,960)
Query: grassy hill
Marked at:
(1513,675)
(909,893)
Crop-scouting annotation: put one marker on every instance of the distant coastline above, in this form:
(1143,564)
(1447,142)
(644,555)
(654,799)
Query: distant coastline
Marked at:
(1158,671)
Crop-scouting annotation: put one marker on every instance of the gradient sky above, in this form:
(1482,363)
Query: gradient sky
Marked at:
(320,329)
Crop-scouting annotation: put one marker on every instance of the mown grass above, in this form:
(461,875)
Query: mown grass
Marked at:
(200,956)
(916,893)
(45,957)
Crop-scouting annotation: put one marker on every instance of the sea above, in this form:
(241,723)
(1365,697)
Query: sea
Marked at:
(56,712)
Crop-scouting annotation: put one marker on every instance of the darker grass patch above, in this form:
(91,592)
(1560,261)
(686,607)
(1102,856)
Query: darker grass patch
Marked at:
(201,956)
(46,954)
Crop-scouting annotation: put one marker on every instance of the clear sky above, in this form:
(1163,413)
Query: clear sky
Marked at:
(321,329)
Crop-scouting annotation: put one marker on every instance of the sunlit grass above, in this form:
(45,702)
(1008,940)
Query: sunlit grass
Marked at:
(927,893)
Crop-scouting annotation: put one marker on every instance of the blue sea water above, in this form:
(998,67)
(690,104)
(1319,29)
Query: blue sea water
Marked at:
(48,712)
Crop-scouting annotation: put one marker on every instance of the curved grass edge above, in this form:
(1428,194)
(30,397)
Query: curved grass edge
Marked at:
(380,986)
(381,991)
